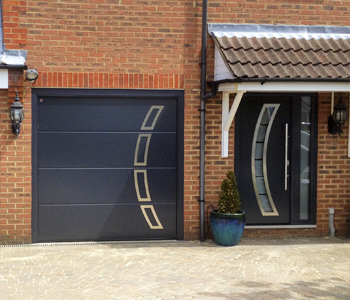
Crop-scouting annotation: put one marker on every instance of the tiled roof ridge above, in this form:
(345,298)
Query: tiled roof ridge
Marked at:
(283,43)
(241,29)
(268,35)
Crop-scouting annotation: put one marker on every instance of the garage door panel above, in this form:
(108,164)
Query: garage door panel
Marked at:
(104,114)
(106,222)
(107,167)
(105,150)
(89,186)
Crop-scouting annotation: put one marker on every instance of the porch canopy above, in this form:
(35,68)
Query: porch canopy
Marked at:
(277,58)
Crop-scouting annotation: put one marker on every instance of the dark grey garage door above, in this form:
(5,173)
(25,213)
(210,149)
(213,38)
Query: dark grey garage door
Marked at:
(108,166)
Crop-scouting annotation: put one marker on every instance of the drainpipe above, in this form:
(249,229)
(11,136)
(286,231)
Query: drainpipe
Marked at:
(204,96)
(331,222)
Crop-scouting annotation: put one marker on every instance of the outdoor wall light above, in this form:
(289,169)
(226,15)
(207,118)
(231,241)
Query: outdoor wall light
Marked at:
(16,115)
(338,118)
(32,75)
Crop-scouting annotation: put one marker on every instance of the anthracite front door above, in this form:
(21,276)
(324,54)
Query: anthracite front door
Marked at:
(275,158)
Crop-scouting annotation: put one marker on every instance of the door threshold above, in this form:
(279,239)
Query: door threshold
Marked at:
(280,226)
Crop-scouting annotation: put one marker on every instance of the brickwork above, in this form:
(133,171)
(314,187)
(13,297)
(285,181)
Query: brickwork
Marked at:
(109,80)
(149,45)
(333,170)
(15,166)
(291,12)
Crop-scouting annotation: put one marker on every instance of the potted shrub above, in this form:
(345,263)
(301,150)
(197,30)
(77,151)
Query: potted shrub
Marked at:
(227,222)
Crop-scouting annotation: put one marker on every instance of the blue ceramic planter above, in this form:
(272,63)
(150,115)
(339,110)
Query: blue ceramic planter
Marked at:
(227,228)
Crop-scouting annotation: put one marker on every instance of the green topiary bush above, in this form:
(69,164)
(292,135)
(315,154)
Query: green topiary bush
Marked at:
(229,200)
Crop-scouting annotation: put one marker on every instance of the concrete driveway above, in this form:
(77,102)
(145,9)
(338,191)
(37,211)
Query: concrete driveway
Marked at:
(255,269)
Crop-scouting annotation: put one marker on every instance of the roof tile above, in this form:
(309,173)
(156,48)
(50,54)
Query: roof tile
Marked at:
(274,57)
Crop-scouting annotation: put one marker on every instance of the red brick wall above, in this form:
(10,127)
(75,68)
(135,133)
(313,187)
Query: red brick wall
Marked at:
(333,169)
(296,12)
(15,166)
(146,44)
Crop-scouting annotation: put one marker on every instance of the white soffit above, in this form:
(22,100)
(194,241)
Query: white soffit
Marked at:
(4,81)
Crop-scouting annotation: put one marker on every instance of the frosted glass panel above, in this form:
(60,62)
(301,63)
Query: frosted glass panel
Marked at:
(259,151)
(261,133)
(259,168)
(261,185)
(259,161)
(265,203)
(305,158)
(267,115)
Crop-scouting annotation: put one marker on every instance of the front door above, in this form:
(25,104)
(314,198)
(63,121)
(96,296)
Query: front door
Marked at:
(275,158)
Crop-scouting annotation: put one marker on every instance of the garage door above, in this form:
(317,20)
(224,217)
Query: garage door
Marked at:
(108,166)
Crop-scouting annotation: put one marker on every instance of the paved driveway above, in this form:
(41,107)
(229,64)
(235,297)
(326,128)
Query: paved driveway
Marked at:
(255,269)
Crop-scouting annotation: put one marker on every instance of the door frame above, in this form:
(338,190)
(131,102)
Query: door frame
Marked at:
(122,93)
(295,171)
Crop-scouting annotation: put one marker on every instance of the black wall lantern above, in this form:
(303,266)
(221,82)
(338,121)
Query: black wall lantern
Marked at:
(16,115)
(338,118)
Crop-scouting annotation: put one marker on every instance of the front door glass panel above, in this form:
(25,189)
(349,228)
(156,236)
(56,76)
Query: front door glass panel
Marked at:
(305,139)
(259,159)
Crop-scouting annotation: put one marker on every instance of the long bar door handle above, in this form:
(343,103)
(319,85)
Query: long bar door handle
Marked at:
(286,161)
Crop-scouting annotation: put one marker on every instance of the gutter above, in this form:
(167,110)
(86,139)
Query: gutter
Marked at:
(263,80)
(203,96)
(20,67)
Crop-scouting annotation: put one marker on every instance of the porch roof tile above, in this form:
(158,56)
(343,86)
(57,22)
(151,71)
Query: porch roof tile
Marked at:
(299,52)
